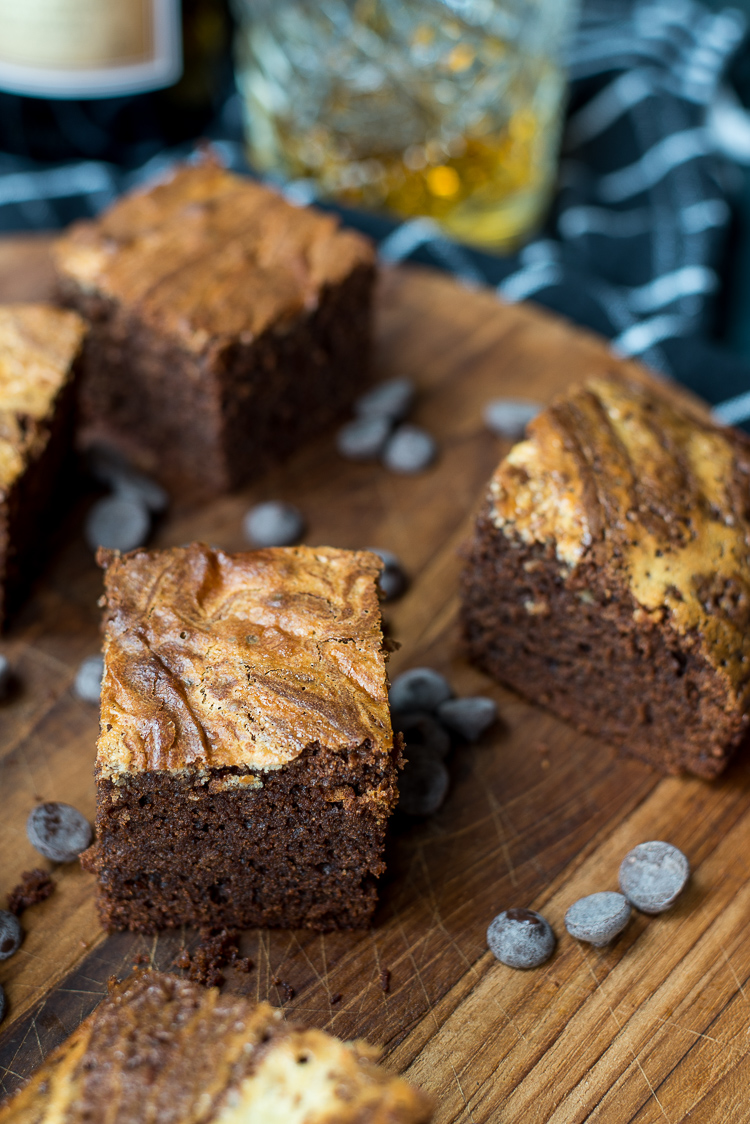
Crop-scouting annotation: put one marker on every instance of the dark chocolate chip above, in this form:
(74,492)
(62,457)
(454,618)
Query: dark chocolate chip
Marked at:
(274,524)
(469,717)
(419,688)
(423,784)
(420,729)
(109,467)
(88,680)
(521,938)
(392,580)
(652,876)
(363,439)
(58,831)
(391,400)
(117,523)
(508,417)
(409,450)
(598,918)
(11,934)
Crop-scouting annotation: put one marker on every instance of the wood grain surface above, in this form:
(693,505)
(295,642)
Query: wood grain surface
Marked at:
(654,1027)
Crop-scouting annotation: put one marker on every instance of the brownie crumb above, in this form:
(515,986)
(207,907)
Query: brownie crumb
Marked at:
(336,998)
(218,948)
(141,958)
(385,980)
(285,987)
(35,886)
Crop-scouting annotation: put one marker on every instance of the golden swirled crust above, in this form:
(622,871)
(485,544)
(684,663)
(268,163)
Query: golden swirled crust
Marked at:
(210,255)
(38,344)
(215,659)
(619,472)
(164,1049)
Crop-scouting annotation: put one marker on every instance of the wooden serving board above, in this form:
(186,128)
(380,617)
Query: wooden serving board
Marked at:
(655,1027)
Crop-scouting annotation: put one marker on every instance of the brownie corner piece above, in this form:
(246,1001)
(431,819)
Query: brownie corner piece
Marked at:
(246,767)
(39,348)
(609,574)
(158,1047)
(227,326)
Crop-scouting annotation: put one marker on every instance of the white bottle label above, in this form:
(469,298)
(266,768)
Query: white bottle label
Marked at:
(89,48)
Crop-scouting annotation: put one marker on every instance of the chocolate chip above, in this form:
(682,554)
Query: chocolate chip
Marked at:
(5,677)
(391,400)
(392,581)
(508,417)
(598,918)
(423,784)
(109,467)
(521,938)
(363,439)
(117,523)
(146,491)
(409,450)
(274,524)
(88,680)
(420,729)
(419,688)
(58,831)
(469,717)
(652,876)
(11,934)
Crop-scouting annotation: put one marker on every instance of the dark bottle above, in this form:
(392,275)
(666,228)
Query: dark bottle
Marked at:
(114,80)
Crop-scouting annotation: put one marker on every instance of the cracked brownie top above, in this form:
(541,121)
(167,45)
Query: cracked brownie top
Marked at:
(217,660)
(622,474)
(208,255)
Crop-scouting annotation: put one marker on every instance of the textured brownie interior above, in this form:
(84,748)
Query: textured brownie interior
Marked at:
(305,850)
(34,506)
(580,647)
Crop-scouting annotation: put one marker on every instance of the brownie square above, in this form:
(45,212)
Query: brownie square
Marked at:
(609,574)
(227,326)
(246,766)
(160,1048)
(39,345)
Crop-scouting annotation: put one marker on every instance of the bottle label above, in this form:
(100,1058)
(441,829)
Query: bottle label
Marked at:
(89,48)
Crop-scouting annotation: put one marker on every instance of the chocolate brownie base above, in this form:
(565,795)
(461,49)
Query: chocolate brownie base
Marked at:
(39,352)
(33,507)
(303,850)
(228,417)
(585,649)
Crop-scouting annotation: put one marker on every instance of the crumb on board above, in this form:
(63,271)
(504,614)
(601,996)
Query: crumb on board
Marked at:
(35,886)
(217,950)
(285,987)
(385,980)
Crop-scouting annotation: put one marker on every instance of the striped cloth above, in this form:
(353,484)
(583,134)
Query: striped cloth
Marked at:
(636,240)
